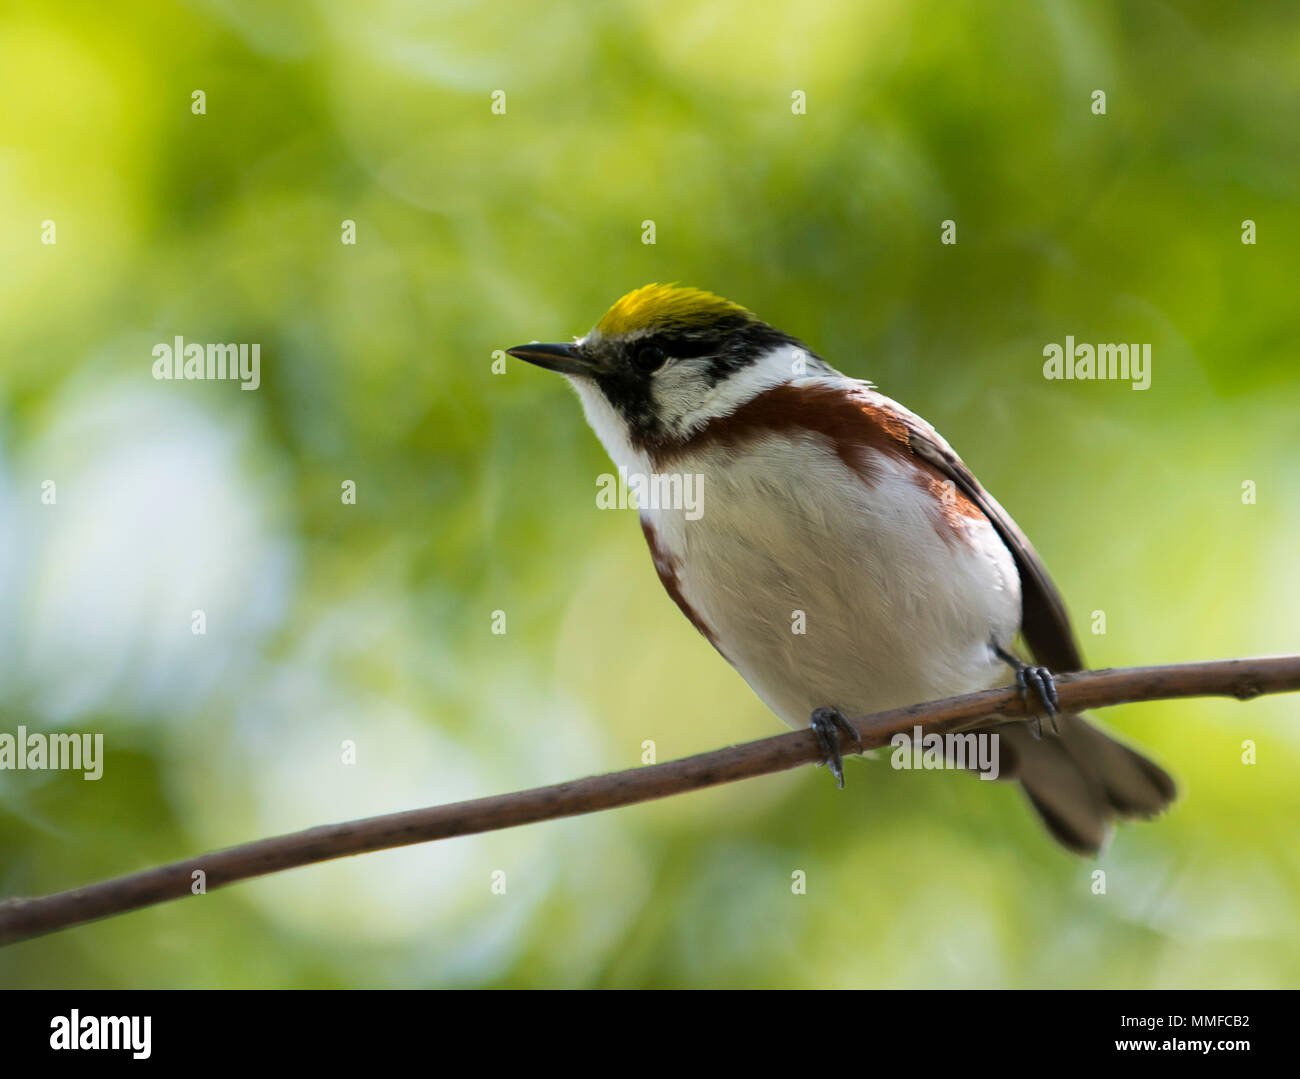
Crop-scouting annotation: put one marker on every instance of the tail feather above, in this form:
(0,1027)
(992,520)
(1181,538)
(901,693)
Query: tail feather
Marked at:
(1082,779)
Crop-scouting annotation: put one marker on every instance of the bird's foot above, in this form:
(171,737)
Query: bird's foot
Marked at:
(1041,681)
(828,724)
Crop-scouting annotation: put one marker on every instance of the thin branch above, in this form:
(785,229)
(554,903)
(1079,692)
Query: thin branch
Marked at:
(21,919)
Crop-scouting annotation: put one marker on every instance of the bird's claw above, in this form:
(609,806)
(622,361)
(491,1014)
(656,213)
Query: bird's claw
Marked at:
(828,724)
(1041,681)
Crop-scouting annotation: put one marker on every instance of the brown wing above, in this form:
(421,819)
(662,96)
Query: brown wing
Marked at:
(1044,621)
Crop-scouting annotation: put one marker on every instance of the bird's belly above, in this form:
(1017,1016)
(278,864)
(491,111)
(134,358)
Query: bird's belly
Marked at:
(824,591)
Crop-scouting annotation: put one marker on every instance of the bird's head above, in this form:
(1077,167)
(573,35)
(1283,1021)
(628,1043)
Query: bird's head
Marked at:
(665,360)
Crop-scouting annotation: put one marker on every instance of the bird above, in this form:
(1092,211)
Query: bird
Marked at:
(827,505)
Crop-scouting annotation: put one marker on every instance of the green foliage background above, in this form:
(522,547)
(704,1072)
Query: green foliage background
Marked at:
(476,491)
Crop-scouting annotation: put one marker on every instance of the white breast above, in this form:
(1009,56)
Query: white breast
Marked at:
(892,610)
(825,592)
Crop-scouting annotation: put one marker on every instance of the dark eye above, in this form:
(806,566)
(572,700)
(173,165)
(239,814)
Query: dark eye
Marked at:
(649,358)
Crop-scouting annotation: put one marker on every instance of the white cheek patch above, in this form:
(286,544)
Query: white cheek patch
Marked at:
(685,401)
(677,391)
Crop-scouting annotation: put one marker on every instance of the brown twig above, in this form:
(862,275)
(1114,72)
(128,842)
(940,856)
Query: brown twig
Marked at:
(21,919)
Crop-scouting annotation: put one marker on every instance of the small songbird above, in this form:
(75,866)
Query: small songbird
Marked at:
(820,495)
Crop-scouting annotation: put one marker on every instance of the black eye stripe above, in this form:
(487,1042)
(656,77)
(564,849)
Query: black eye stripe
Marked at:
(688,348)
(680,347)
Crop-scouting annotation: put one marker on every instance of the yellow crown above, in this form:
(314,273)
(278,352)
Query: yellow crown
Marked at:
(665,305)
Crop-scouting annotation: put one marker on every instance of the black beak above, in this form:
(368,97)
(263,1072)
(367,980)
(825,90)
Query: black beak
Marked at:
(567,359)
